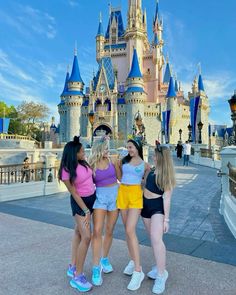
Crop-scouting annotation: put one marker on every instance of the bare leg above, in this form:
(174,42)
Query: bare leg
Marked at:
(75,243)
(159,249)
(124,216)
(85,234)
(98,221)
(147,223)
(133,244)
(110,224)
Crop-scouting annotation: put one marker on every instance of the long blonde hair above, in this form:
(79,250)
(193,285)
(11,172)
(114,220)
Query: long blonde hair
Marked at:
(97,152)
(165,173)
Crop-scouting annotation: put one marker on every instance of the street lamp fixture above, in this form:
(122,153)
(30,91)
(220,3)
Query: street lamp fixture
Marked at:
(180,134)
(200,125)
(189,133)
(232,103)
(91,116)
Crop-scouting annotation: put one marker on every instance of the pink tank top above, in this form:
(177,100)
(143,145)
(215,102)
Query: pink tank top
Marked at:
(105,177)
(83,182)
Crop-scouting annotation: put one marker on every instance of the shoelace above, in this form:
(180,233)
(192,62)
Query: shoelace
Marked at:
(82,279)
(105,262)
(96,272)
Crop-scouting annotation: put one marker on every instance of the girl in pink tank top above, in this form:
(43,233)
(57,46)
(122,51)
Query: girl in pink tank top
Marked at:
(77,175)
(105,179)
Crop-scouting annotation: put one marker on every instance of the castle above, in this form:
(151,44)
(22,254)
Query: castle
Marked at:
(134,81)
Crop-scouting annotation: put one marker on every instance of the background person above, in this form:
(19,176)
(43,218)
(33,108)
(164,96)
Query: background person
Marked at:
(25,170)
(187,153)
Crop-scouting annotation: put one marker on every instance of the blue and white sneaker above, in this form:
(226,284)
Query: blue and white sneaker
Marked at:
(152,274)
(80,283)
(106,265)
(160,283)
(70,271)
(97,275)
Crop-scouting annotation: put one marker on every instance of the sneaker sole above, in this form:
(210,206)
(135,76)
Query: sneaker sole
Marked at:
(81,289)
(107,271)
(97,284)
(127,273)
(139,285)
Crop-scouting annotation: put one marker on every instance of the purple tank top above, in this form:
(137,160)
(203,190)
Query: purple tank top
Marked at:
(105,177)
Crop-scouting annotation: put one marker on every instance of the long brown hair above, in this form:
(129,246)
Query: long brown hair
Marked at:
(165,173)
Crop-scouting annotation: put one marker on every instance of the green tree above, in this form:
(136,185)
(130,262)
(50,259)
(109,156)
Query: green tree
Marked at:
(31,113)
(7,111)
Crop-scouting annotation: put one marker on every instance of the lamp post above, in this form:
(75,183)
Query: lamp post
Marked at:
(91,116)
(180,134)
(189,133)
(200,125)
(232,103)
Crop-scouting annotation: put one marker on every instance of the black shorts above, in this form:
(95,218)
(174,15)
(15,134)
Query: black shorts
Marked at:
(152,206)
(89,201)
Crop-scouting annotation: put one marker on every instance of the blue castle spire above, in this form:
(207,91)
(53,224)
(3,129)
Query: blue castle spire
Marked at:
(167,74)
(135,69)
(66,83)
(100,27)
(157,12)
(75,74)
(171,89)
(200,83)
(176,85)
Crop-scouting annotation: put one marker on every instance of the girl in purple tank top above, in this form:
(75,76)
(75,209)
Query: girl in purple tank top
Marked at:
(105,179)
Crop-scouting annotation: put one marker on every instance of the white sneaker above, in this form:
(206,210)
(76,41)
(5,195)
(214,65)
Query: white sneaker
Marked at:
(129,269)
(152,274)
(160,283)
(136,280)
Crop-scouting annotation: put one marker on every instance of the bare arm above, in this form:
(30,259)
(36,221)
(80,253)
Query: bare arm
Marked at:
(146,171)
(167,200)
(118,169)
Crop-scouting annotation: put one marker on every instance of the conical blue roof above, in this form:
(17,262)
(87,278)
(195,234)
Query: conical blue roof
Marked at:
(167,74)
(200,83)
(156,41)
(75,74)
(157,11)
(135,69)
(171,89)
(176,86)
(100,29)
(66,83)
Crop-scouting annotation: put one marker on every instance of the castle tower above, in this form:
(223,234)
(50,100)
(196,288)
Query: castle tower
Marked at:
(136,33)
(204,109)
(100,39)
(62,110)
(135,95)
(199,108)
(72,99)
(171,111)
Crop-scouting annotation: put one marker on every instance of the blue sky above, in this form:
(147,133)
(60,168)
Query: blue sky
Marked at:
(37,39)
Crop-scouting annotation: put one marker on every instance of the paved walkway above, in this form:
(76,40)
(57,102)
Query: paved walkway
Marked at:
(42,237)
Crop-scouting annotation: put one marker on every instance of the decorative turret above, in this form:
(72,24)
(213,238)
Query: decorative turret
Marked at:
(100,39)
(135,95)
(167,74)
(171,89)
(200,83)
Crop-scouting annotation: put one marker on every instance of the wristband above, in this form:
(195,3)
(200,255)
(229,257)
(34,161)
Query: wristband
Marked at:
(86,211)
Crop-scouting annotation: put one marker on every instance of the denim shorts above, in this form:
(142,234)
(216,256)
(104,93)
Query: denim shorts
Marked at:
(106,198)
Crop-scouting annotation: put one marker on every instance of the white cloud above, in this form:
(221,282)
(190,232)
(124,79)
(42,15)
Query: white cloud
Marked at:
(11,69)
(73,3)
